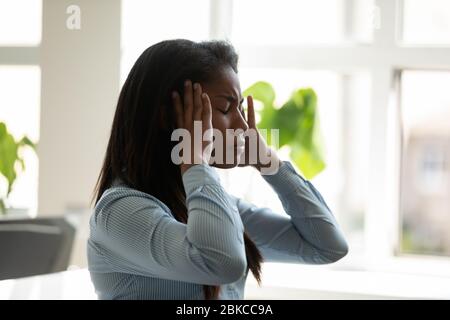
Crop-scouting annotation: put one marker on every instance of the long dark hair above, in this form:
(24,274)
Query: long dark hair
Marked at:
(139,146)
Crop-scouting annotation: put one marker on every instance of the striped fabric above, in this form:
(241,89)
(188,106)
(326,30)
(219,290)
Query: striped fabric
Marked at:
(137,250)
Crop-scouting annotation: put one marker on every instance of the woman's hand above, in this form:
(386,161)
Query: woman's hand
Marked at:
(195,106)
(271,159)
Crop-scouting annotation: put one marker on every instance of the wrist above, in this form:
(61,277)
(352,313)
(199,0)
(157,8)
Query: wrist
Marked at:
(272,165)
(186,166)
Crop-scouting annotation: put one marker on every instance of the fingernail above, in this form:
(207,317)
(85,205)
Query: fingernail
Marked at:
(186,83)
(195,86)
(174,94)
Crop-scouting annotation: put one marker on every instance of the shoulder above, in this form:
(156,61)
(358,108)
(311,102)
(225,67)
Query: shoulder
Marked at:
(125,203)
(119,195)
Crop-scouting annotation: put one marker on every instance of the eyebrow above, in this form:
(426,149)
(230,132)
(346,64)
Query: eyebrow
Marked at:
(230,98)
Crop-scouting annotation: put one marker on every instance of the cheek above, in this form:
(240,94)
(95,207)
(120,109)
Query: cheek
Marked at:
(220,121)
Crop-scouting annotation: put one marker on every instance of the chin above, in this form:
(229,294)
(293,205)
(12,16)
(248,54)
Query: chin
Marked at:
(225,165)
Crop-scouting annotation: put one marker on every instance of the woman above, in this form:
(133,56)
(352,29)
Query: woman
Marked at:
(168,230)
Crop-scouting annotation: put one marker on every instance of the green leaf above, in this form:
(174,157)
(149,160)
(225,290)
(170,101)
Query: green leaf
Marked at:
(3,130)
(309,161)
(307,121)
(22,163)
(298,124)
(262,91)
(308,154)
(2,207)
(287,120)
(9,155)
(27,142)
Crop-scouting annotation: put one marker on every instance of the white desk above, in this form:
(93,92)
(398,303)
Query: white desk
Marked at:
(67,285)
(293,282)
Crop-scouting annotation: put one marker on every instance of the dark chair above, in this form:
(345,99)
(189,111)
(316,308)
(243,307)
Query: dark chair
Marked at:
(31,247)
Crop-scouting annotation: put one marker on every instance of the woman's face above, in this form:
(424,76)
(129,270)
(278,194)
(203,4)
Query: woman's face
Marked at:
(227,113)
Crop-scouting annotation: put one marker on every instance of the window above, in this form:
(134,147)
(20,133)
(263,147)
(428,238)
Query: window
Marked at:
(426,22)
(351,53)
(15,81)
(262,22)
(327,86)
(302,22)
(425,162)
(20,22)
(343,112)
(432,168)
(20,82)
(147,22)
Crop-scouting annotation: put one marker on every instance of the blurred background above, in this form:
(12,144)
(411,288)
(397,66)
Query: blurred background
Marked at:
(381,72)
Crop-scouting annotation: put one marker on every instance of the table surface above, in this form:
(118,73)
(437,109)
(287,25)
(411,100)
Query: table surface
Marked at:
(310,283)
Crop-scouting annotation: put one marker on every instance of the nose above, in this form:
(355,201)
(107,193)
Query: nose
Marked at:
(240,123)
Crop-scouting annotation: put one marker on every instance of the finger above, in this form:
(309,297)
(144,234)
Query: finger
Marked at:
(242,112)
(188,102)
(178,109)
(198,104)
(251,113)
(206,111)
(207,120)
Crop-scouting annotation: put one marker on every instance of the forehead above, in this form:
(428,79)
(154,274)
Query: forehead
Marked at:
(226,82)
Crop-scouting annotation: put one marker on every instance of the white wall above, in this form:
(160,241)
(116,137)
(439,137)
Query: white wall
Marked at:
(80,85)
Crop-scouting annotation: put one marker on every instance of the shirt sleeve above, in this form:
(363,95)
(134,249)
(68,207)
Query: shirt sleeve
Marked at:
(140,237)
(309,233)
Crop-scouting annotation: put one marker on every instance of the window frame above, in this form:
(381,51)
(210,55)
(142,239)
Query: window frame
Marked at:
(24,55)
(384,58)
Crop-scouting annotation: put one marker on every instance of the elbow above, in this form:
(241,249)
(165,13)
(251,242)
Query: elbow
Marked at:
(334,254)
(341,252)
(232,269)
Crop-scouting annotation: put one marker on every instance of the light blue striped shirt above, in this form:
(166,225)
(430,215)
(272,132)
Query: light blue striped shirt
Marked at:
(137,250)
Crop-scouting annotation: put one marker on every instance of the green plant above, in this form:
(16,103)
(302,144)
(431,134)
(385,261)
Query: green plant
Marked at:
(298,124)
(9,158)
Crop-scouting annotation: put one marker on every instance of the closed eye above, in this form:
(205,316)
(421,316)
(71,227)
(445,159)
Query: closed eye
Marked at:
(231,100)
(240,109)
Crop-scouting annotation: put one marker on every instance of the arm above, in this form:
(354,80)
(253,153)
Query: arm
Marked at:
(141,237)
(308,234)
